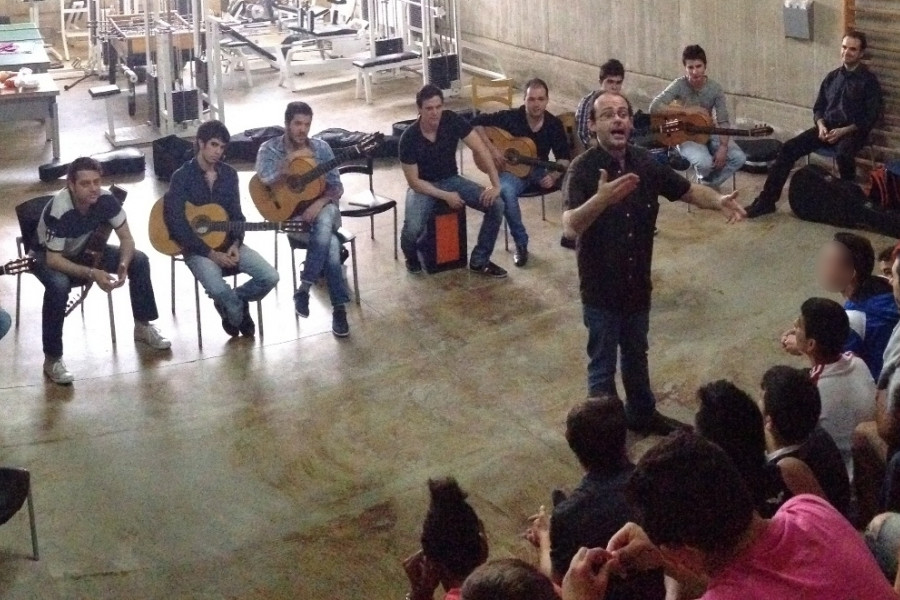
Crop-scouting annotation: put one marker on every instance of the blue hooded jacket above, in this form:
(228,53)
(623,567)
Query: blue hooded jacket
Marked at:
(872,320)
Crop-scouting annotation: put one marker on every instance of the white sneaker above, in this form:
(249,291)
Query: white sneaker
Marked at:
(151,336)
(56,370)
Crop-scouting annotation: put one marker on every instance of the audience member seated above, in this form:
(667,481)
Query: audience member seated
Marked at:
(887,405)
(612,76)
(845,267)
(697,517)
(508,579)
(596,509)
(453,544)
(5,323)
(845,384)
(791,409)
(730,418)
(883,538)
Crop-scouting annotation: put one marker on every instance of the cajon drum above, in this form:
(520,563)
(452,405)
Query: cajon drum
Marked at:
(444,246)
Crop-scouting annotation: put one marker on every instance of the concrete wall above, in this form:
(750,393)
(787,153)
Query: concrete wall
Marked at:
(769,78)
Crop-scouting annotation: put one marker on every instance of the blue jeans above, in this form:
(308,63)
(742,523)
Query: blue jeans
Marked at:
(609,333)
(701,158)
(511,187)
(420,208)
(323,254)
(5,323)
(57,286)
(210,275)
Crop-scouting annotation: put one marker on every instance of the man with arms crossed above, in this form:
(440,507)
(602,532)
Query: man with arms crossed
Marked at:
(612,201)
(428,158)
(64,230)
(848,104)
(531,120)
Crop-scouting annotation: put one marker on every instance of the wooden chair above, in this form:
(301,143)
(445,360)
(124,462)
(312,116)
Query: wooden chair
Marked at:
(488,92)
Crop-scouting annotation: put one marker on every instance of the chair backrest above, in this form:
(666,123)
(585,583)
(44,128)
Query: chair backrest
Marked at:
(29,215)
(491,91)
(361,167)
(569,125)
(14,486)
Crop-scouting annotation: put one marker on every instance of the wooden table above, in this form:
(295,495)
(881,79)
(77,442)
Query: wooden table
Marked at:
(20,105)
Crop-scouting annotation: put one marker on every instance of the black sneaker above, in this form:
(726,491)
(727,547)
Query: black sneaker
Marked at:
(520,258)
(339,325)
(345,254)
(489,269)
(567,243)
(247,326)
(759,208)
(413,265)
(226,324)
(658,424)
(301,303)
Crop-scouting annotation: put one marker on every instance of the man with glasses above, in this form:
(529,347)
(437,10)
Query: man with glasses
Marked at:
(612,201)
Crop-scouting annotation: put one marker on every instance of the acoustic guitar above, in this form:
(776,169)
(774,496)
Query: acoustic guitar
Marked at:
(210,223)
(304,183)
(18,266)
(520,153)
(675,126)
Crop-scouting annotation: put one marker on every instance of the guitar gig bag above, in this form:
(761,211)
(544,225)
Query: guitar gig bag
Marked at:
(818,196)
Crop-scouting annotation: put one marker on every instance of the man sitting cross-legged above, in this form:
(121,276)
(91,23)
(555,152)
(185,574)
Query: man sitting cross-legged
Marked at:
(207,180)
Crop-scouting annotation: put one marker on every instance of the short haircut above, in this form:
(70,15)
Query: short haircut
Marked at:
(791,400)
(507,579)
(452,534)
(612,68)
(887,254)
(858,35)
(825,321)
(296,108)
(627,101)
(428,91)
(82,163)
(596,431)
(860,253)
(213,129)
(689,493)
(693,52)
(536,82)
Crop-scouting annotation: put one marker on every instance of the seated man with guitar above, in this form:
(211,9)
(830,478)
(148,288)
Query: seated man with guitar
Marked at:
(717,158)
(67,255)
(428,158)
(274,164)
(612,77)
(204,181)
(520,141)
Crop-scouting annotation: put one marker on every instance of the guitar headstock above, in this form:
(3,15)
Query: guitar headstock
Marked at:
(761,131)
(368,143)
(672,126)
(19,265)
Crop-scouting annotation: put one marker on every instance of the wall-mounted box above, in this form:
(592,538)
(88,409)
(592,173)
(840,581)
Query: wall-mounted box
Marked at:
(798,19)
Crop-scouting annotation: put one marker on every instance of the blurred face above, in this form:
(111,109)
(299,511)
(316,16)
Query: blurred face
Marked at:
(86,188)
(612,84)
(211,152)
(298,129)
(611,123)
(695,70)
(835,271)
(536,101)
(431,111)
(851,51)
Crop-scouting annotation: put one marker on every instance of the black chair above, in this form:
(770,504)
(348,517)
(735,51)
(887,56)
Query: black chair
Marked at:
(15,490)
(367,204)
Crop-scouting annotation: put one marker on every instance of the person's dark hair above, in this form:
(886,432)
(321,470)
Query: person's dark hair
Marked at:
(82,163)
(858,35)
(507,579)
(887,254)
(730,418)
(296,108)
(693,52)
(689,493)
(612,68)
(452,534)
(825,321)
(791,400)
(428,92)
(213,129)
(627,101)
(536,82)
(596,431)
(861,255)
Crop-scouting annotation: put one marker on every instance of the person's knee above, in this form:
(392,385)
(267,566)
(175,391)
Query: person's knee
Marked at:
(139,262)
(271,278)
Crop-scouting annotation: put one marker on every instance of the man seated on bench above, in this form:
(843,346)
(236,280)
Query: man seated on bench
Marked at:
(428,157)
(532,121)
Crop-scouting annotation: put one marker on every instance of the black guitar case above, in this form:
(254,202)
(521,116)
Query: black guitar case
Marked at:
(818,196)
(122,161)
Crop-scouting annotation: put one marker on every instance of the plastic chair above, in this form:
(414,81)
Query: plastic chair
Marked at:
(15,491)
(367,204)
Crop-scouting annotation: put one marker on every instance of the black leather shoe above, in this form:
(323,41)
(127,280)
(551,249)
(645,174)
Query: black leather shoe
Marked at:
(520,258)
(658,424)
(226,324)
(567,243)
(247,326)
(759,208)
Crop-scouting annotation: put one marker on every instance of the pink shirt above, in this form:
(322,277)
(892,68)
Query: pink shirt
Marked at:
(807,552)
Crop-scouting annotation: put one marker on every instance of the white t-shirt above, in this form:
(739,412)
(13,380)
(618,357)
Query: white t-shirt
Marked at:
(848,399)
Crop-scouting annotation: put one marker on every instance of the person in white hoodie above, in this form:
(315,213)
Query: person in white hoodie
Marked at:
(844,381)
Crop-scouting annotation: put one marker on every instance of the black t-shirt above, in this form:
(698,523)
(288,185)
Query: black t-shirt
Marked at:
(615,251)
(436,160)
(550,137)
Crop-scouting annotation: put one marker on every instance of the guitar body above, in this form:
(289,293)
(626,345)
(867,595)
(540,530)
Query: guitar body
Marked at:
(694,117)
(197,217)
(289,197)
(520,152)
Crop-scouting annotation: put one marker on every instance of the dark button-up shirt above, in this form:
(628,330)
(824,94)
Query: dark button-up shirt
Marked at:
(550,137)
(615,251)
(849,98)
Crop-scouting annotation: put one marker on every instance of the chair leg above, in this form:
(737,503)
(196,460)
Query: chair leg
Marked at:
(197,308)
(112,319)
(506,235)
(172,287)
(276,251)
(395,235)
(19,296)
(294,269)
(259,317)
(543,207)
(355,273)
(34,539)
(372,227)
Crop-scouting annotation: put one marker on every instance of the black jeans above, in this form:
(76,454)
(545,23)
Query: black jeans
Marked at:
(805,143)
(57,286)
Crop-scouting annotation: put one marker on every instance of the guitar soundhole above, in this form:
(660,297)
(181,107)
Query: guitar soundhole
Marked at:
(201,225)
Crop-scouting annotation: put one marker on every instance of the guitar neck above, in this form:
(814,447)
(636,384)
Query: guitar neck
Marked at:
(536,162)
(718,131)
(242,226)
(321,169)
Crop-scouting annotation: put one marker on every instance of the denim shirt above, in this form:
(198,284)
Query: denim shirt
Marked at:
(271,155)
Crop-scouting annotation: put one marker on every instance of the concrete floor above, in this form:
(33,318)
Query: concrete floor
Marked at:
(294,466)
